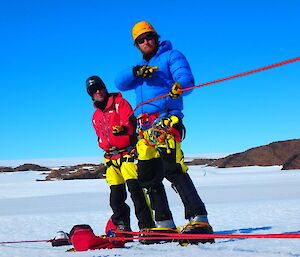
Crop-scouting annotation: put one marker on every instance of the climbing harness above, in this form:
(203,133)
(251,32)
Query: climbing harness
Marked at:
(117,156)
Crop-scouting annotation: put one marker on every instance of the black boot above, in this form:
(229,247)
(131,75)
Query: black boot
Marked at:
(197,227)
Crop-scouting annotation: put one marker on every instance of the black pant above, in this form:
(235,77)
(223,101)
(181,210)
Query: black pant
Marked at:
(121,211)
(142,210)
(182,182)
(150,175)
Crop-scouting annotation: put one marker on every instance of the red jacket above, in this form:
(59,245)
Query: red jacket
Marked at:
(116,112)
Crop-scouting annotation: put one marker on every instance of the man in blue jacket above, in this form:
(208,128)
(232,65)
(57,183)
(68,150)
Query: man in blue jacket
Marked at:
(162,71)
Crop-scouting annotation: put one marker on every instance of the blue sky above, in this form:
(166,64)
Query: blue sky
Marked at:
(48,49)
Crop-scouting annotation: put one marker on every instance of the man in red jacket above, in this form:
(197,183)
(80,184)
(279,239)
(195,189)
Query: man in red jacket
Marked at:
(115,127)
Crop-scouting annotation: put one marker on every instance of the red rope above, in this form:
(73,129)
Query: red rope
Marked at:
(224,79)
(27,241)
(176,236)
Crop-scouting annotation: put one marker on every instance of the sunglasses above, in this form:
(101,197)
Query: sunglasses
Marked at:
(147,37)
(93,89)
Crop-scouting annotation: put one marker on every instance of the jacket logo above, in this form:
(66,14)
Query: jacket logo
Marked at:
(117,108)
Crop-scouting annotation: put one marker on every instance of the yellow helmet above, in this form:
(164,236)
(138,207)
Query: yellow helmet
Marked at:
(141,28)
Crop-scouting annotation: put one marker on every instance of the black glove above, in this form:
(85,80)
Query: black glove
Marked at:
(163,123)
(118,130)
(144,71)
(166,123)
(176,90)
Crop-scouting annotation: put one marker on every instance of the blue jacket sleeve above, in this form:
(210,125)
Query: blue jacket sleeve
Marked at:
(125,80)
(180,70)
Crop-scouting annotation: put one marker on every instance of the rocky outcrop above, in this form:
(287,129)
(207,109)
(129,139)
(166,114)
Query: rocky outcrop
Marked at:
(6,169)
(200,162)
(82,171)
(276,153)
(285,153)
(292,163)
(99,172)
(29,166)
(24,167)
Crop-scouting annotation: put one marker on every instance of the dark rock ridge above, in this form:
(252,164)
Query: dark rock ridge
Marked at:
(200,161)
(6,169)
(82,171)
(292,163)
(29,166)
(284,153)
(25,167)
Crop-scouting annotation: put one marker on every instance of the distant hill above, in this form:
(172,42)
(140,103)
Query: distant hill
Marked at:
(24,167)
(201,161)
(81,171)
(292,163)
(285,153)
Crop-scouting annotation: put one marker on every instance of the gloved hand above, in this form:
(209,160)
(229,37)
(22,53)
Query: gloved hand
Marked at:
(176,90)
(166,123)
(119,130)
(163,123)
(144,71)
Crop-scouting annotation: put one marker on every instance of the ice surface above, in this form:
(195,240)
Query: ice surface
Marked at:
(249,197)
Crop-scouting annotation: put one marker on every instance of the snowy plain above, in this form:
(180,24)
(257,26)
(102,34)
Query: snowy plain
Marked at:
(260,199)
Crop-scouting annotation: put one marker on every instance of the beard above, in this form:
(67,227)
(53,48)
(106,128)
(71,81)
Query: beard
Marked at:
(101,104)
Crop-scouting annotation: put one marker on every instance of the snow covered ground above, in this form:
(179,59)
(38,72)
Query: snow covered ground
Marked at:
(237,198)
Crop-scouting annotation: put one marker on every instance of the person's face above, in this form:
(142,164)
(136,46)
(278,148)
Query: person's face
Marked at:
(146,43)
(99,95)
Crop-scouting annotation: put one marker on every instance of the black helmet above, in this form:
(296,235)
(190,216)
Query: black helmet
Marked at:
(93,84)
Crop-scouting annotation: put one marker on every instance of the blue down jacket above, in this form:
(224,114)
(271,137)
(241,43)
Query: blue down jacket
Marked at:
(172,66)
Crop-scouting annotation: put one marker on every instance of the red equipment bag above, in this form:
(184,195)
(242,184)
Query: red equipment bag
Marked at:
(83,238)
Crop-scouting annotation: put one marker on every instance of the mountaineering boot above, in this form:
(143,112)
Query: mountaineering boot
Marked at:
(197,225)
(113,230)
(123,228)
(164,226)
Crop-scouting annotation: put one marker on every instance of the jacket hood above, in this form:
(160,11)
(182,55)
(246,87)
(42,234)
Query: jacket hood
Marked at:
(164,46)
